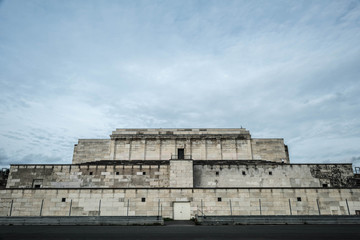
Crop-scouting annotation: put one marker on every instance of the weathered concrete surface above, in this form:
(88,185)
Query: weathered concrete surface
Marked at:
(333,175)
(239,220)
(93,221)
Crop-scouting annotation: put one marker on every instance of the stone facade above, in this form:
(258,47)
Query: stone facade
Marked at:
(181,173)
(88,176)
(162,144)
(148,202)
(146,172)
(229,174)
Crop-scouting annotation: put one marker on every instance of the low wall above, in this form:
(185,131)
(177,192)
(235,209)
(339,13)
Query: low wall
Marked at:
(282,219)
(103,221)
(154,202)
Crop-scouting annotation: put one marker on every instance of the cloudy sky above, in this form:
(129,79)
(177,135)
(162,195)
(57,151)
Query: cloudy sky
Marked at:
(80,69)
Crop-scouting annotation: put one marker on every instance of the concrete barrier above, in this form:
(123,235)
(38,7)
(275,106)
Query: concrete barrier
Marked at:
(83,220)
(280,219)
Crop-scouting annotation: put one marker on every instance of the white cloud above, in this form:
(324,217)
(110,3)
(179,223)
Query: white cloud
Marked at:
(80,70)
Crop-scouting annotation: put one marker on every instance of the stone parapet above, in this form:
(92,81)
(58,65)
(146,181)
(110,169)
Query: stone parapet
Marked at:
(181,131)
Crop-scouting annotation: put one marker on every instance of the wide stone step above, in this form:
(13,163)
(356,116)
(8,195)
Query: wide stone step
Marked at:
(83,220)
(279,219)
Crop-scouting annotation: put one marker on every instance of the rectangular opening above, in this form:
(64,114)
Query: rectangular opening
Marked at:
(325,185)
(299,199)
(181,210)
(143,199)
(219,199)
(37,183)
(144,173)
(91,173)
(270,173)
(63,199)
(357,212)
(181,153)
(243,173)
(217,173)
(117,173)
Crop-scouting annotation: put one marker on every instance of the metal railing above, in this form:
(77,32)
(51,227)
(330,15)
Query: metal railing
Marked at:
(181,157)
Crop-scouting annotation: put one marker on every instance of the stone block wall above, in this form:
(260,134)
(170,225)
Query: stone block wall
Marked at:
(181,173)
(273,175)
(91,150)
(146,202)
(200,148)
(269,150)
(200,144)
(88,176)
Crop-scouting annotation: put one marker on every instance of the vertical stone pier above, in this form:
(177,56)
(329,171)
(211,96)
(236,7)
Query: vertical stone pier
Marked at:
(181,173)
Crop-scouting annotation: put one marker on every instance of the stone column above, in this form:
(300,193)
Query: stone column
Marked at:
(221,150)
(236,149)
(145,142)
(112,149)
(206,149)
(130,141)
(188,147)
(160,148)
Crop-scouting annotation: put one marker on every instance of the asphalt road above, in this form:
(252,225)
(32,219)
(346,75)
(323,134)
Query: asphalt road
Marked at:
(183,232)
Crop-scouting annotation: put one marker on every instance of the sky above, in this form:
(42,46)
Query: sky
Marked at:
(80,69)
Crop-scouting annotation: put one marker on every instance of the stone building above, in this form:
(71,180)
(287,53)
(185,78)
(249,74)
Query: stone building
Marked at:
(180,173)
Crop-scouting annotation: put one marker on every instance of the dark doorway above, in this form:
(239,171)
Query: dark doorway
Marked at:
(180,153)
